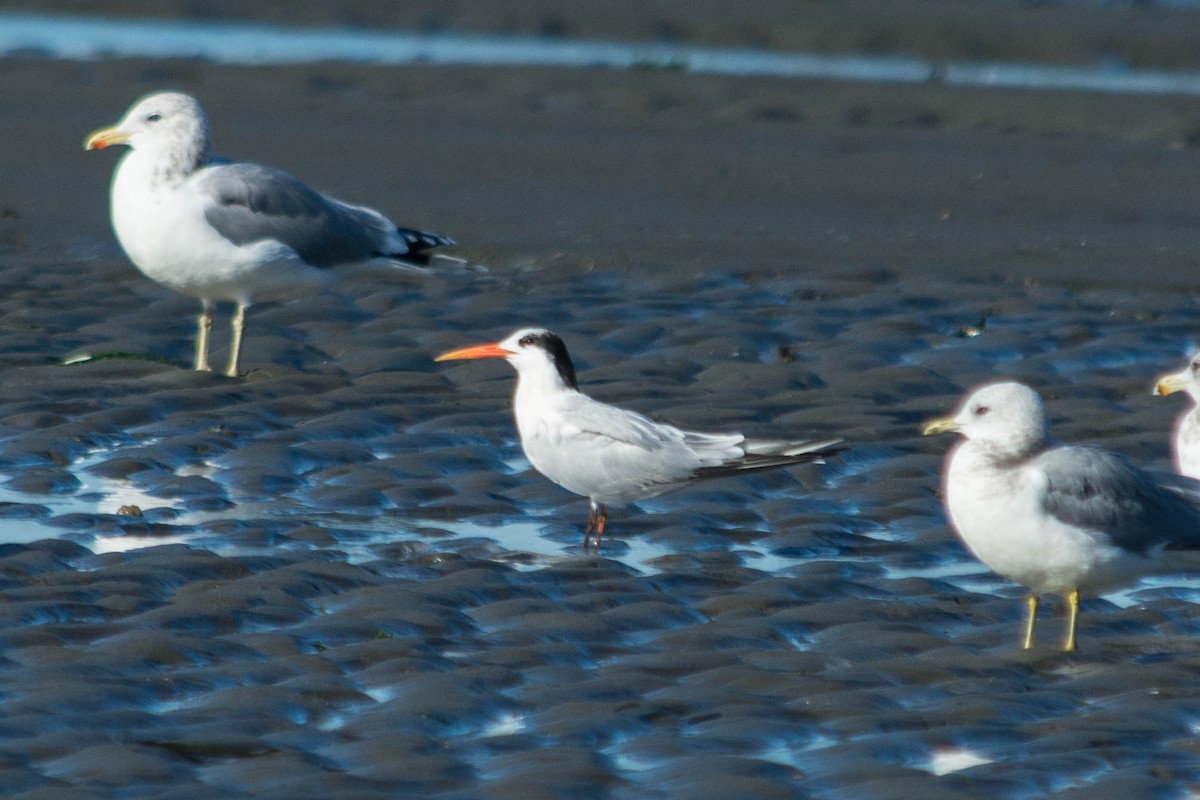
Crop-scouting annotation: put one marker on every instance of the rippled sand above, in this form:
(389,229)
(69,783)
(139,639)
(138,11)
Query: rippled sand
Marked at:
(361,589)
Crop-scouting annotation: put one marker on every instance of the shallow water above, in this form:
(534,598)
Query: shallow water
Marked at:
(83,37)
(380,452)
(361,590)
(380,599)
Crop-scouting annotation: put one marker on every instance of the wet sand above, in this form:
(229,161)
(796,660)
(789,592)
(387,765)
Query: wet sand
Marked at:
(361,590)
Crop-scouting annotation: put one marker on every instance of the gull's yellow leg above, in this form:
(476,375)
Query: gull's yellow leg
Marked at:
(235,346)
(203,326)
(1031,607)
(1072,616)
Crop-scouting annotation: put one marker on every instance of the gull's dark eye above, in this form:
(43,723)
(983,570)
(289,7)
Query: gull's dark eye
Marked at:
(155,117)
(528,340)
(981,411)
(1195,367)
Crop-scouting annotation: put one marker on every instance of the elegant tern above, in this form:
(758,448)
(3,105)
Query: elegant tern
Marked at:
(611,455)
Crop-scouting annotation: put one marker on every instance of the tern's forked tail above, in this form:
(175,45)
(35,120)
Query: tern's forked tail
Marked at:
(761,454)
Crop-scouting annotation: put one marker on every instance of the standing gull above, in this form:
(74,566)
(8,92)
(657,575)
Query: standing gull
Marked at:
(1187,430)
(230,231)
(610,455)
(1054,517)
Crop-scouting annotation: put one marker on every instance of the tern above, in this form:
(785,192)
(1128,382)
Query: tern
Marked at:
(1053,517)
(1186,445)
(611,455)
(228,231)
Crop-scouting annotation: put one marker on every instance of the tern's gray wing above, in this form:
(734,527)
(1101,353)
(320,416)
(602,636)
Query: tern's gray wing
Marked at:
(251,203)
(621,452)
(694,454)
(1101,492)
(604,422)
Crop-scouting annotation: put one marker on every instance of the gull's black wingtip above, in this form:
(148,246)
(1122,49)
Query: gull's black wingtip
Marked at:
(419,244)
(419,241)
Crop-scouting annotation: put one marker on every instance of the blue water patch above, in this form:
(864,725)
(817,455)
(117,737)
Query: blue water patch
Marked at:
(79,37)
(83,38)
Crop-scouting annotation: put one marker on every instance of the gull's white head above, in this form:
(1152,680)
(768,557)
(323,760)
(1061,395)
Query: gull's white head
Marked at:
(1008,419)
(169,125)
(1186,380)
(536,354)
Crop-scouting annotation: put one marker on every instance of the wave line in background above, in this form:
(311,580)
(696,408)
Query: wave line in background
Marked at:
(90,38)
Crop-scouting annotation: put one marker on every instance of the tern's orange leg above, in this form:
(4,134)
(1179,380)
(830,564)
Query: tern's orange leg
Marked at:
(597,517)
(602,519)
(587,529)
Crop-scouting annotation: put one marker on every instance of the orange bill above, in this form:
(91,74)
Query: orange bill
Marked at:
(489,350)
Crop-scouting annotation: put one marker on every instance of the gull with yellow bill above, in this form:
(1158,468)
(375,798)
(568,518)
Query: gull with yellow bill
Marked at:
(1066,519)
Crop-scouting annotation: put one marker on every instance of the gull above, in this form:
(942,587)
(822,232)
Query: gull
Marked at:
(610,455)
(231,231)
(1055,517)
(1186,445)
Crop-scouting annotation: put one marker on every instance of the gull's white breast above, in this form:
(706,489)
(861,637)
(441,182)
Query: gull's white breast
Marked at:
(1000,515)
(162,229)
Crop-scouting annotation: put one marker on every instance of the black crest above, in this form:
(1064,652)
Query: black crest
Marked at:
(558,354)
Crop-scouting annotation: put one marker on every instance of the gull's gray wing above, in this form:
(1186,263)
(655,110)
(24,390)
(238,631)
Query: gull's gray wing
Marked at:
(1103,493)
(1181,486)
(252,203)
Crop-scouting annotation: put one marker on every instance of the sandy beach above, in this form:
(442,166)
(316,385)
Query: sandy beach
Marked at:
(336,576)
